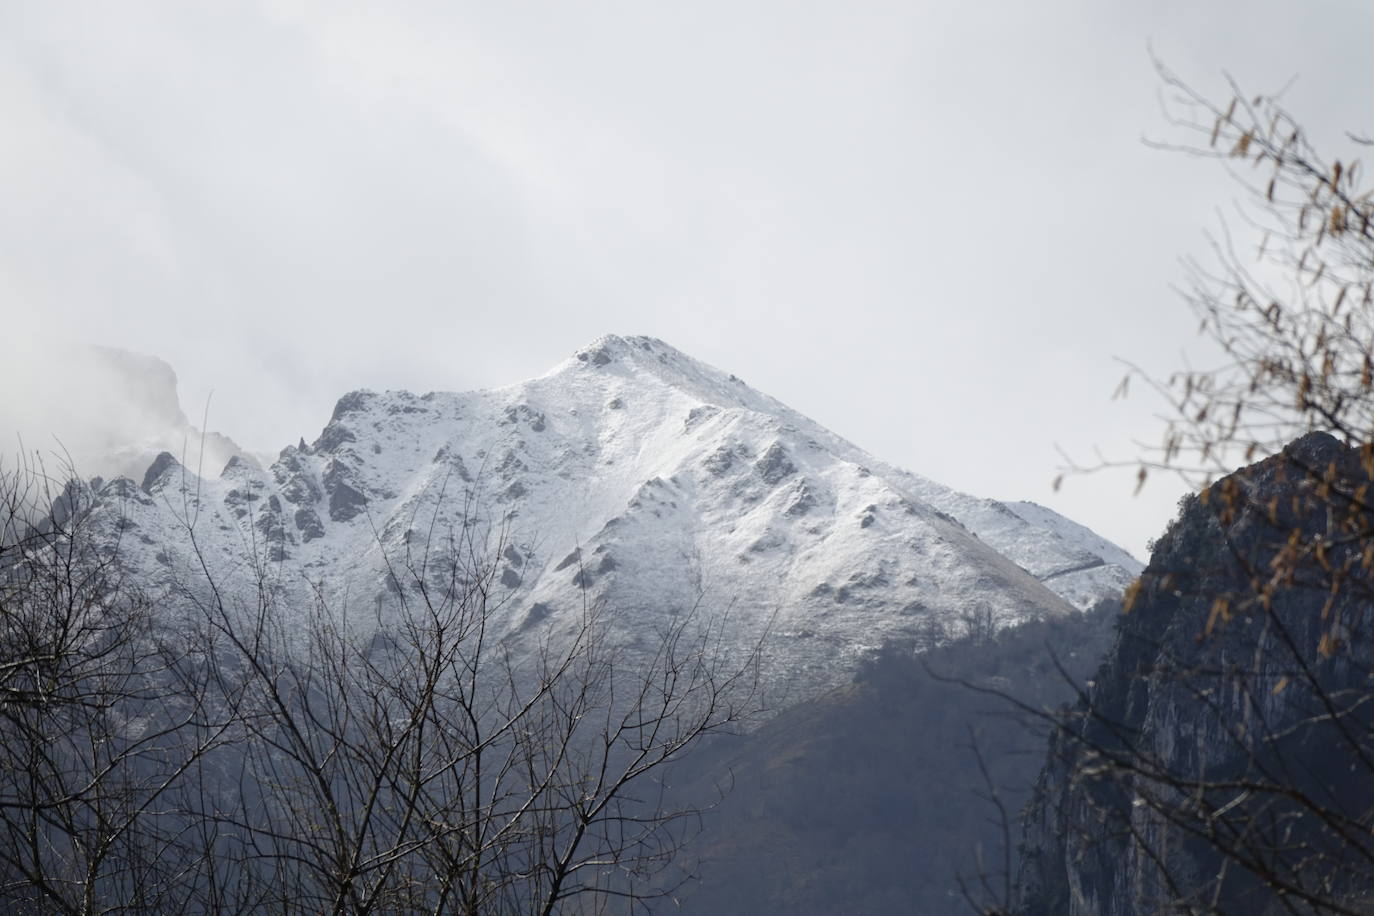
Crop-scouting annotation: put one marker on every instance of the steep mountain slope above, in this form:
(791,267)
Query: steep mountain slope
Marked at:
(1074,562)
(869,800)
(632,475)
(1220,760)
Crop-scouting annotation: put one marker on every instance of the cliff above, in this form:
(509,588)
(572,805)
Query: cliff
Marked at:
(1221,759)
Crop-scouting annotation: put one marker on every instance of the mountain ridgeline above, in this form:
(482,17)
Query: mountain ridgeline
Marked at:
(503,651)
(631,477)
(878,673)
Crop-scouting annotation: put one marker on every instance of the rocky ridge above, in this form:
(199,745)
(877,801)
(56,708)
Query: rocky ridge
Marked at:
(630,475)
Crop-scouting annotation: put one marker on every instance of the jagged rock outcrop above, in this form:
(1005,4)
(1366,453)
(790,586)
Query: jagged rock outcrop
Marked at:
(669,483)
(1221,760)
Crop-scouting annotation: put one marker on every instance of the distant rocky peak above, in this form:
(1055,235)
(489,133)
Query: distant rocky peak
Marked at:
(353,402)
(610,347)
(673,479)
(163,465)
(116,411)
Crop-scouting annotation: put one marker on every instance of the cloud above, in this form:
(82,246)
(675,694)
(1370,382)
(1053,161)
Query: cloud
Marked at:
(930,226)
(101,412)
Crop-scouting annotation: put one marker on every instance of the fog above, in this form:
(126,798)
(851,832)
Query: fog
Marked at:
(932,227)
(97,411)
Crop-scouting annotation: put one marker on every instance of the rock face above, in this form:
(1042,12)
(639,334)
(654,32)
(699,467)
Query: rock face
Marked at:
(636,477)
(1223,748)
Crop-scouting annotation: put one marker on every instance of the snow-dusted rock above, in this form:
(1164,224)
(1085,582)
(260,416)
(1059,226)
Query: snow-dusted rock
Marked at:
(634,475)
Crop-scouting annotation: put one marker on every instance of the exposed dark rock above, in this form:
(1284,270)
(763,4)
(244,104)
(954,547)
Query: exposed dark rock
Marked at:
(345,498)
(297,482)
(523,413)
(163,463)
(538,612)
(774,465)
(403,404)
(720,461)
(237,497)
(335,436)
(308,524)
(446,455)
(272,526)
(345,502)
(697,415)
(124,488)
(352,402)
(1199,656)
(598,357)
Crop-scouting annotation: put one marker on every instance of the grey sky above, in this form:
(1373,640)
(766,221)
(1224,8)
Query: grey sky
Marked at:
(930,226)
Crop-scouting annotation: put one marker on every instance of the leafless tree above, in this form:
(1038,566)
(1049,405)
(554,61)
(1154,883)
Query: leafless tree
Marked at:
(101,714)
(1223,759)
(1286,299)
(219,749)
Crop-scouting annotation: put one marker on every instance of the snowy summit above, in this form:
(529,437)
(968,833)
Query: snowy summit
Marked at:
(634,476)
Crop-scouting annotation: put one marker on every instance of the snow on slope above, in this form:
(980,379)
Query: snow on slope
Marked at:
(632,475)
(1077,536)
(1077,564)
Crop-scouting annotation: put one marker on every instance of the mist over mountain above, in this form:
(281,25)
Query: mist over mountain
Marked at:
(633,477)
(632,516)
(107,411)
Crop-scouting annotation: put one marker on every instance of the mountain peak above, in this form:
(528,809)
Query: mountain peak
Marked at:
(667,482)
(609,347)
(636,350)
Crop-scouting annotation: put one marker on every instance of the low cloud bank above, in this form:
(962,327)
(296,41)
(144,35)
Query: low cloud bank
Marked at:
(105,412)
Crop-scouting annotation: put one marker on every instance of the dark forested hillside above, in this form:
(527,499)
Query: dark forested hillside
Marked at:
(867,800)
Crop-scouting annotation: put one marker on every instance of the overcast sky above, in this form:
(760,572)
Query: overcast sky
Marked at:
(931,226)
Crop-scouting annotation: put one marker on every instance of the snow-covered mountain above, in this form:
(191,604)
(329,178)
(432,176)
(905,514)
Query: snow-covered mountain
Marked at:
(634,475)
